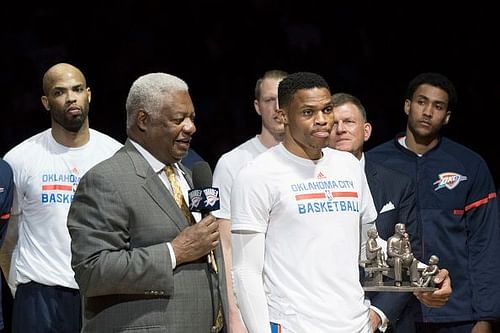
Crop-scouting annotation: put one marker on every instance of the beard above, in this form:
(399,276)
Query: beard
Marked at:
(69,122)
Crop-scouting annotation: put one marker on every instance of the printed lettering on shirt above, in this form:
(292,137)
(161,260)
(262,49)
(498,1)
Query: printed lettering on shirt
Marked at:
(324,196)
(58,188)
(450,180)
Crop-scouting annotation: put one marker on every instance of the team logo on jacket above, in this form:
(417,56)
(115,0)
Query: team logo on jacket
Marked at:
(450,180)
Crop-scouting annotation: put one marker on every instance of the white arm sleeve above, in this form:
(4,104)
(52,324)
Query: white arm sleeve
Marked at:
(248,263)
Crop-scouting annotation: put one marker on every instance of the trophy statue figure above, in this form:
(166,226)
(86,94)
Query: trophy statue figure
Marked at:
(375,255)
(400,257)
(396,269)
(426,278)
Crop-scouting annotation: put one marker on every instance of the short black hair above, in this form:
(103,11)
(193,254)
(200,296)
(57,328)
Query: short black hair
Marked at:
(436,80)
(298,81)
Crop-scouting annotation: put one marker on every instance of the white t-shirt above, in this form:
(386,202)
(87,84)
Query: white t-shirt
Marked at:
(228,167)
(46,175)
(311,212)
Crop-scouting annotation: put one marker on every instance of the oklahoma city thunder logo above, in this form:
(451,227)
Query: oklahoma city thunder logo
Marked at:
(195,198)
(450,180)
(329,195)
(212,196)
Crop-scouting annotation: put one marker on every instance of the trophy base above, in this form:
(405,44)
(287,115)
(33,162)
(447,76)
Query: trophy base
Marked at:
(401,289)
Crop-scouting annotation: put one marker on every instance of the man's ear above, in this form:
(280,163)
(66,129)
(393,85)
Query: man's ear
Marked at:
(367,131)
(447,118)
(141,119)
(45,102)
(256,106)
(407,106)
(89,94)
(283,116)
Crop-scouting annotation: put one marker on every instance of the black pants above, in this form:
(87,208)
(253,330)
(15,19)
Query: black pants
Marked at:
(46,309)
(6,306)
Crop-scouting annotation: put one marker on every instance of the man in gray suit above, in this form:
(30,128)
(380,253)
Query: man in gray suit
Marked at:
(140,264)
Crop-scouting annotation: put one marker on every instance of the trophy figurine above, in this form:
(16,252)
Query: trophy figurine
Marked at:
(397,269)
(426,278)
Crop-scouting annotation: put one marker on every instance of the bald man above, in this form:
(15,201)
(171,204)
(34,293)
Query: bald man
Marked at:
(47,168)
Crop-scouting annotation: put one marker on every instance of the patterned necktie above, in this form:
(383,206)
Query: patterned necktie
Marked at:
(177,193)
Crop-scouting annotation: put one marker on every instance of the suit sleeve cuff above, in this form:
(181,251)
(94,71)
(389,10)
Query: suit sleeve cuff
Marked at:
(172,255)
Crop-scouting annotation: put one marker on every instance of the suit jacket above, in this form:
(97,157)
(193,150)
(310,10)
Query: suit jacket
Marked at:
(120,221)
(394,196)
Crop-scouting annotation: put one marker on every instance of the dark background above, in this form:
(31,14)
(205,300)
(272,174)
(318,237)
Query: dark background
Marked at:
(220,48)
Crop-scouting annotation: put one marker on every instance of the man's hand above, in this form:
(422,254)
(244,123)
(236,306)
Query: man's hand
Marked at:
(374,320)
(196,240)
(482,327)
(439,297)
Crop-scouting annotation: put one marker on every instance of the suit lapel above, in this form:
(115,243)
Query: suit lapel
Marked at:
(371,177)
(155,187)
(374,184)
(371,173)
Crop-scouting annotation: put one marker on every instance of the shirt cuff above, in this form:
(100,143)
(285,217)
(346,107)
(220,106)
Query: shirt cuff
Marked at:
(385,322)
(172,255)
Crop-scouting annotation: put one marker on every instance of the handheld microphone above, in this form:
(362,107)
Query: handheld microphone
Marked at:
(203,198)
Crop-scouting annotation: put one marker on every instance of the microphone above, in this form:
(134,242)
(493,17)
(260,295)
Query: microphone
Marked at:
(203,198)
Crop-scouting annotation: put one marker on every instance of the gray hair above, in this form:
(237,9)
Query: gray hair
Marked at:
(148,92)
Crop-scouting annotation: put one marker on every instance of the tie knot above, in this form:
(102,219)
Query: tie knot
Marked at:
(172,179)
(169,170)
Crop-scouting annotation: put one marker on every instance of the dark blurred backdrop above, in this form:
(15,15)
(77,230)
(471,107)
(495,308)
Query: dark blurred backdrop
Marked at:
(220,48)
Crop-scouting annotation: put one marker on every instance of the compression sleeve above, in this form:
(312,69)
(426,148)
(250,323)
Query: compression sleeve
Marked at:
(248,264)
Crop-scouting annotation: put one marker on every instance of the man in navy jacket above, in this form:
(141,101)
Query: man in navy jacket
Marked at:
(456,202)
